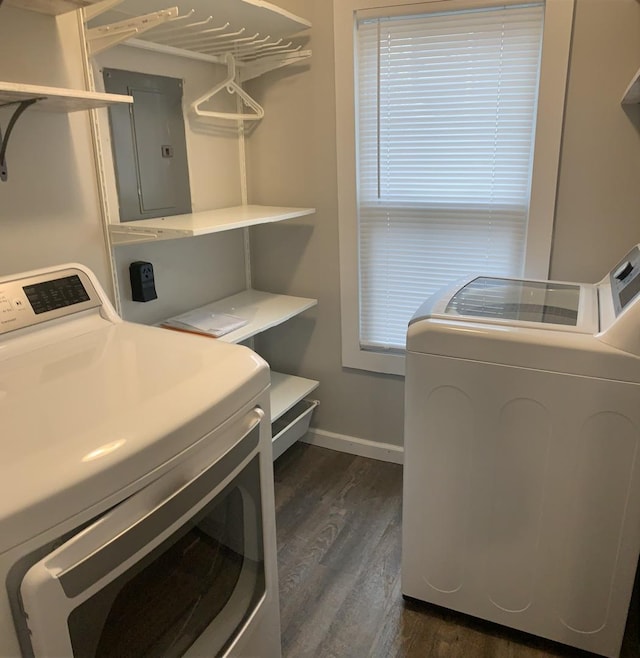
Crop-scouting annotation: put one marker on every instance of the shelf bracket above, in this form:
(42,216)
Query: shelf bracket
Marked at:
(106,36)
(4,141)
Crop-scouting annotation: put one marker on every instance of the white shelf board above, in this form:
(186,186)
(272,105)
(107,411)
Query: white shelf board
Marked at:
(262,310)
(286,391)
(51,7)
(632,94)
(56,99)
(201,223)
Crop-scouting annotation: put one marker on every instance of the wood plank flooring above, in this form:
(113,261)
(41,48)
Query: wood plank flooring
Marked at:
(338,521)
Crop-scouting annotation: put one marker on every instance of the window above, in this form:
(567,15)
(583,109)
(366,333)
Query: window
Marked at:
(444,98)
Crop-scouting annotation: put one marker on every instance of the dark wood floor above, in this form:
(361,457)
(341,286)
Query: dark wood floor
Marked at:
(338,519)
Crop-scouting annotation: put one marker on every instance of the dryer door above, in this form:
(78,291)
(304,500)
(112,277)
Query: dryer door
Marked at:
(166,572)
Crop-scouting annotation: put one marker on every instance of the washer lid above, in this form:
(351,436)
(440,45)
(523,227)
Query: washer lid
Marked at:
(526,304)
(514,300)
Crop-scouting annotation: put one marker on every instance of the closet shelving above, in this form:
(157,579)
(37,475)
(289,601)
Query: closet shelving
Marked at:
(290,411)
(251,37)
(260,36)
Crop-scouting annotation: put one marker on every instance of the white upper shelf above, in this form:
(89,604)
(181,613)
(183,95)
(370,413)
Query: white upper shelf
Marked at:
(632,94)
(252,30)
(54,99)
(201,223)
(51,7)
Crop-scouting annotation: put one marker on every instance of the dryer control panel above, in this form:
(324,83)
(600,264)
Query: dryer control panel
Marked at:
(625,280)
(30,300)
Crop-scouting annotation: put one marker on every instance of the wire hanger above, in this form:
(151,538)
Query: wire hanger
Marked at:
(230,84)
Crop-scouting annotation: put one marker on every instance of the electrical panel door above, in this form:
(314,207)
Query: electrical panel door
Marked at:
(149,147)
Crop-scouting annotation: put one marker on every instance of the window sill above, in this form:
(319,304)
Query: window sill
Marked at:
(384,362)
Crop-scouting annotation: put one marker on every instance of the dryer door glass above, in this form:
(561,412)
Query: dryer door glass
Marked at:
(204,580)
(524,301)
(177,569)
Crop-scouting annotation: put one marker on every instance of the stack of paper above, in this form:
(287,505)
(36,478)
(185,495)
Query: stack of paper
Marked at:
(204,322)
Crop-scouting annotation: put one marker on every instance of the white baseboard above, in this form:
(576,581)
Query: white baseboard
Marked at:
(386,452)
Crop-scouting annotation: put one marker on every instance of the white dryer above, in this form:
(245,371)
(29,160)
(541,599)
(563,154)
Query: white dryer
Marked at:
(136,486)
(522,475)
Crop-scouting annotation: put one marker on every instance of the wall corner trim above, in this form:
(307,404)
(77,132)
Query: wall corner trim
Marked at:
(386,452)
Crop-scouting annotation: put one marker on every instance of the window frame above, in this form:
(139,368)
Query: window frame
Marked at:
(554,64)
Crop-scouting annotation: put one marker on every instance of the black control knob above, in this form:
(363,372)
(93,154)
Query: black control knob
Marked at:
(623,271)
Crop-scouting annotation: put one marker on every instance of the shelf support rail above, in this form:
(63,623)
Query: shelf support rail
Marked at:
(104,37)
(4,141)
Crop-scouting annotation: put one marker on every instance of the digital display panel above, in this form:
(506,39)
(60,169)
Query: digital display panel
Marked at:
(629,291)
(625,281)
(59,293)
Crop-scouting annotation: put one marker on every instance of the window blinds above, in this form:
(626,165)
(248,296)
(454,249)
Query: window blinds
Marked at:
(446,120)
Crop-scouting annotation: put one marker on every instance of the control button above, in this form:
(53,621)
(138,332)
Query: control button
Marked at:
(623,271)
(19,304)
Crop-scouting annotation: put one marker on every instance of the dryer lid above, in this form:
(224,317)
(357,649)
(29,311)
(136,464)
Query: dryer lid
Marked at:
(85,417)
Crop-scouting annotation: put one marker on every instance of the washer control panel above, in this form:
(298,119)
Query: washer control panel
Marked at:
(28,301)
(625,280)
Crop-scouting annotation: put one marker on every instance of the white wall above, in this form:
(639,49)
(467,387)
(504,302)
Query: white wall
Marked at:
(598,208)
(49,212)
(293,158)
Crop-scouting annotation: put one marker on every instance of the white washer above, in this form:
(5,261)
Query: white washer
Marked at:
(521,478)
(135,469)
